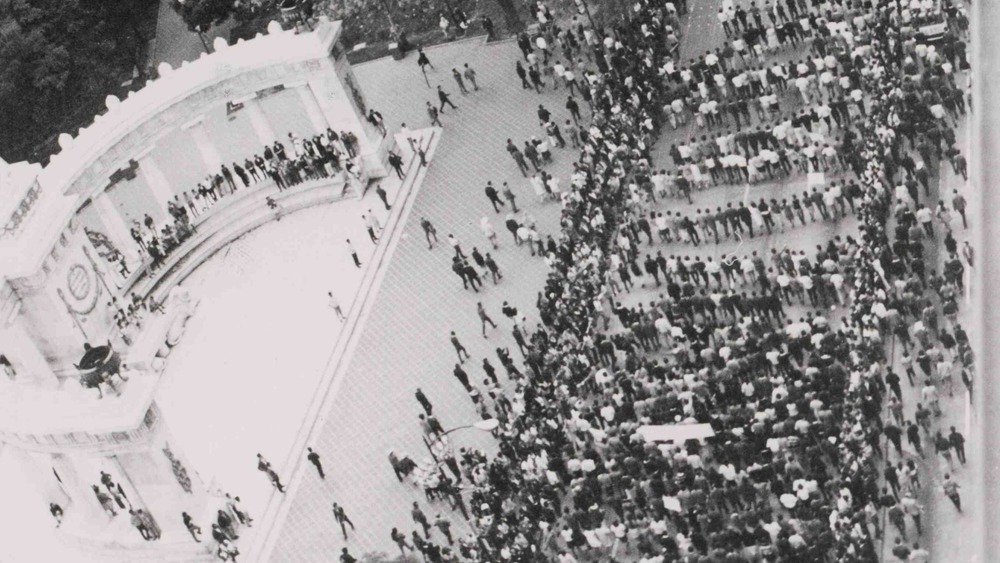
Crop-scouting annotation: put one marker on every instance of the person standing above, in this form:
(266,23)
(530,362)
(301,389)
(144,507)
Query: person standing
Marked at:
(424,401)
(335,305)
(341,517)
(313,458)
(354,254)
(429,232)
(138,524)
(484,318)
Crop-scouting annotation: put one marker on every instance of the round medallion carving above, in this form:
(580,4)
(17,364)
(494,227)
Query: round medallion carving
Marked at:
(78,282)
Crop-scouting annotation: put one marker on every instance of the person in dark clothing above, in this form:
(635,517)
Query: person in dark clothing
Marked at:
(313,458)
(445,99)
(424,401)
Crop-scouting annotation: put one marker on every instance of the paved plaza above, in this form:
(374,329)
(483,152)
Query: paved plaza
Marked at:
(404,343)
(266,366)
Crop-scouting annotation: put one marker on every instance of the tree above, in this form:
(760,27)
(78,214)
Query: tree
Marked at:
(58,61)
(201,15)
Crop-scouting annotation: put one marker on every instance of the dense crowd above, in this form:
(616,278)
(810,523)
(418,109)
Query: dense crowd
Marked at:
(796,469)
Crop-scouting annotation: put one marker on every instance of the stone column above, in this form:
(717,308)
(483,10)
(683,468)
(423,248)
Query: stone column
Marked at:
(156,180)
(340,113)
(206,148)
(311,106)
(258,120)
(117,229)
(78,489)
(28,362)
(37,471)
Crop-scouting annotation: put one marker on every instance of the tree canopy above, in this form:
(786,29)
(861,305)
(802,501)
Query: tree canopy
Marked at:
(201,15)
(58,61)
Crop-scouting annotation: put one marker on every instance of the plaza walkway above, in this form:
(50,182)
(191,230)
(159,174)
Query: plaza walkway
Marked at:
(404,343)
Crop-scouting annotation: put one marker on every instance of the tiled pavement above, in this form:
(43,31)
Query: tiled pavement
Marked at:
(404,343)
(405,339)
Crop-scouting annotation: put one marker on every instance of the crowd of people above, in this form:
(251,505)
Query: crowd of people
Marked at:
(786,357)
(323,155)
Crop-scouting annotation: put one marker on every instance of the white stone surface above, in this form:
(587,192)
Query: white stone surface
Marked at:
(242,377)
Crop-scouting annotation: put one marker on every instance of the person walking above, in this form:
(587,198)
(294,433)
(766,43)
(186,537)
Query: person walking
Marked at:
(429,232)
(959,204)
(484,318)
(433,112)
(509,196)
(459,349)
(445,99)
(424,401)
(396,164)
(313,458)
(335,305)
(400,540)
(518,157)
(354,254)
(444,525)
(422,59)
(493,196)
(341,517)
(420,518)
(453,241)
(193,528)
(424,62)
(490,233)
(459,81)
(957,442)
(462,377)
(950,489)
(264,466)
(370,227)
(494,269)
(470,74)
(523,75)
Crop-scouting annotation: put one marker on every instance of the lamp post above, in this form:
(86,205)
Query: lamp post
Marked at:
(583,8)
(201,35)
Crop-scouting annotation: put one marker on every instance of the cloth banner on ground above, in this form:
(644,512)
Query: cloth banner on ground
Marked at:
(677,433)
